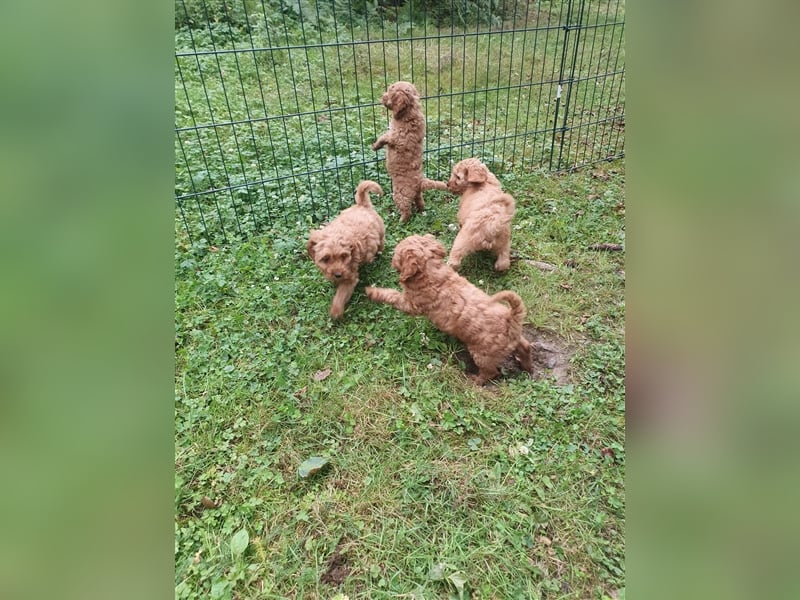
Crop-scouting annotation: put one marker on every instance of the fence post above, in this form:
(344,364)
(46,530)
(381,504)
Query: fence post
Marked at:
(567,27)
(570,81)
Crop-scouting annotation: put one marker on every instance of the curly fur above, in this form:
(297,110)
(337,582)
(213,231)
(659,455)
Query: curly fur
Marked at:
(403,143)
(484,214)
(489,326)
(353,238)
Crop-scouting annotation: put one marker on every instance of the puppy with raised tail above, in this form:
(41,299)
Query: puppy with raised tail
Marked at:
(489,326)
(353,238)
(484,214)
(403,144)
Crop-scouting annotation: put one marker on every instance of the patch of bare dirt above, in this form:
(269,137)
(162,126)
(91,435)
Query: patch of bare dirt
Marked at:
(338,569)
(551,357)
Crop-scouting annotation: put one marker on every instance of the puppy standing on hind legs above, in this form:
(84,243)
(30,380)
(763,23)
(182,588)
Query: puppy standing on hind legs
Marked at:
(403,144)
(353,238)
(489,326)
(484,214)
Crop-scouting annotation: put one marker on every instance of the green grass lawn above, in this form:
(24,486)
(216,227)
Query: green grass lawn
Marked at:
(435,488)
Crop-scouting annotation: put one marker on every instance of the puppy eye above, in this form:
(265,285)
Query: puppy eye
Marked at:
(325,258)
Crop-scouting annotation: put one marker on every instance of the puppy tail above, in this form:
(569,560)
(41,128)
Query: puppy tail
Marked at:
(363,190)
(430,184)
(514,302)
(507,201)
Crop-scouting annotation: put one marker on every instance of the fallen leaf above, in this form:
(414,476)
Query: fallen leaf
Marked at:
(600,174)
(458,580)
(437,572)
(239,542)
(543,539)
(609,247)
(214,249)
(593,196)
(542,266)
(608,452)
(208,502)
(196,558)
(311,466)
(566,286)
(322,375)
(301,391)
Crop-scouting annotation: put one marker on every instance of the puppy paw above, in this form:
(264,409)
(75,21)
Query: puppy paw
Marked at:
(502,265)
(477,380)
(336,312)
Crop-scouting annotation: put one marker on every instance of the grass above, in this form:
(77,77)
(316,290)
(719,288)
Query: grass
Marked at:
(435,488)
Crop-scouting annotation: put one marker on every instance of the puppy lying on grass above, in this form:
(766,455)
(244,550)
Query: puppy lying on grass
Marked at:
(489,326)
(353,238)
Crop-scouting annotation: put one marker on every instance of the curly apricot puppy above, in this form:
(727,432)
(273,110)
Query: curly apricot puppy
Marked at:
(403,144)
(489,329)
(484,214)
(353,238)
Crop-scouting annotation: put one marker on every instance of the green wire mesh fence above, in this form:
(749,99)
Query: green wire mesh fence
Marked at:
(277,103)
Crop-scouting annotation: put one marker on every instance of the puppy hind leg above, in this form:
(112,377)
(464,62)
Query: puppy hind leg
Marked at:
(403,203)
(419,202)
(503,251)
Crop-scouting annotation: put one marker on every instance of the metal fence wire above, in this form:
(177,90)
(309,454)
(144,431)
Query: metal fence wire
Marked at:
(277,103)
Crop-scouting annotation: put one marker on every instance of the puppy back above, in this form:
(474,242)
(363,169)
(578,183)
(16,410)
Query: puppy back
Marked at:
(363,190)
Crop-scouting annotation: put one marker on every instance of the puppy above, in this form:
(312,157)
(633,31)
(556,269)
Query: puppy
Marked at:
(350,240)
(403,144)
(489,329)
(484,214)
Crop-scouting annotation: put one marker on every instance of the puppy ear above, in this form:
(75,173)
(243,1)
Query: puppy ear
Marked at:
(399,100)
(356,248)
(409,267)
(438,250)
(476,174)
(435,246)
(409,97)
(311,244)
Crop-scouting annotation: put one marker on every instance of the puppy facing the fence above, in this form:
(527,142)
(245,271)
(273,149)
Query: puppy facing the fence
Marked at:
(403,143)
(489,326)
(353,238)
(484,214)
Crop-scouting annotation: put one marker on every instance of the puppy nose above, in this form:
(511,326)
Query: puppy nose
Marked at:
(337,274)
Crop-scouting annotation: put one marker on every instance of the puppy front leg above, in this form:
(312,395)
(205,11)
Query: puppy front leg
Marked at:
(343,293)
(391,297)
(381,141)
(523,354)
